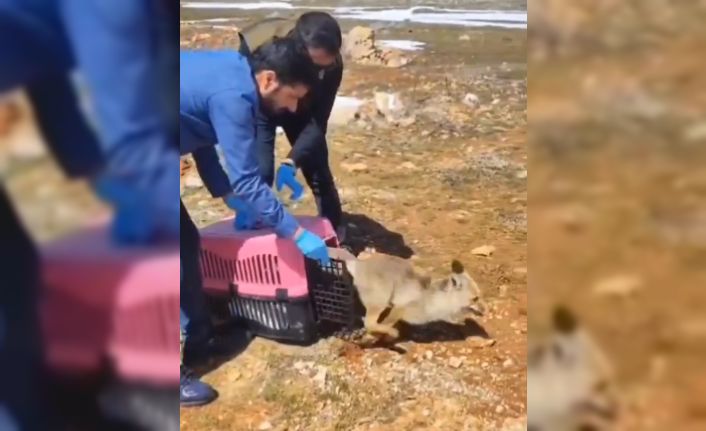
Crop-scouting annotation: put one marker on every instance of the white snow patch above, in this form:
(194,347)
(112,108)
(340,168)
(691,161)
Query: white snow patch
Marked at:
(432,15)
(245,6)
(404,45)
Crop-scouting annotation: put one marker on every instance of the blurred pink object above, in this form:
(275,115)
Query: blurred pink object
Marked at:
(103,304)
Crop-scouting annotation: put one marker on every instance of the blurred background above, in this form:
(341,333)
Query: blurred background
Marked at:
(617,192)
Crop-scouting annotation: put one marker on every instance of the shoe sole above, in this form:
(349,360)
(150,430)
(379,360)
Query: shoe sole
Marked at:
(195,403)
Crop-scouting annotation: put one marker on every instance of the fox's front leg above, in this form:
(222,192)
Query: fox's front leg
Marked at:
(372,326)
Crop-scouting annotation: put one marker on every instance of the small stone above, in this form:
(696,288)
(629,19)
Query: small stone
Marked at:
(407,121)
(354,167)
(502,290)
(464,37)
(499,409)
(484,250)
(521,270)
(478,342)
(521,174)
(461,215)
(320,377)
(695,132)
(409,166)
(455,362)
(508,363)
(618,286)
(471,100)
(426,412)
(193,182)
(265,426)
(429,355)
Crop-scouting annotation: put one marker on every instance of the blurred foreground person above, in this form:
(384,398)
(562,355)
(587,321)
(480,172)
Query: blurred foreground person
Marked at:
(114,48)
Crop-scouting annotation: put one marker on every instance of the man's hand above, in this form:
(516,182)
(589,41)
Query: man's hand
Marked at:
(312,246)
(133,222)
(245,216)
(287,176)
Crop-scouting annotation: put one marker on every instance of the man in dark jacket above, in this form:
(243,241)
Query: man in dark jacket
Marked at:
(305,129)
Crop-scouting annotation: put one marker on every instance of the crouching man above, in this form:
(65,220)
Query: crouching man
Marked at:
(220,96)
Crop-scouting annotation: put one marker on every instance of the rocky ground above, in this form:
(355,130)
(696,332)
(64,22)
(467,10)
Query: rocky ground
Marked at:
(617,104)
(441,173)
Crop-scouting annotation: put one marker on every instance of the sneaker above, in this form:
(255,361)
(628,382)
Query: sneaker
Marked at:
(192,391)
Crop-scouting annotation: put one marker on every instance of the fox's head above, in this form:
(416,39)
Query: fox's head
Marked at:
(464,290)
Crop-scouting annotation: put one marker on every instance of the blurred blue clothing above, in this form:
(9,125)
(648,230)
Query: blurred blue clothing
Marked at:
(218,104)
(114,46)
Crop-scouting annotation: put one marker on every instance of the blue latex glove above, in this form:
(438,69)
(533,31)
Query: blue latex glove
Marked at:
(132,221)
(287,176)
(245,217)
(313,247)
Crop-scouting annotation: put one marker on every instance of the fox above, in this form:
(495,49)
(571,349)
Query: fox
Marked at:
(389,282)
(570,380)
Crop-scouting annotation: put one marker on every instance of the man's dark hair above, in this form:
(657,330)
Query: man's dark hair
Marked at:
(288,59)
(319,30)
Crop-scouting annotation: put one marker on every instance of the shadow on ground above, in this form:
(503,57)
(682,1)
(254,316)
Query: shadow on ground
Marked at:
(362,232)
(441,331)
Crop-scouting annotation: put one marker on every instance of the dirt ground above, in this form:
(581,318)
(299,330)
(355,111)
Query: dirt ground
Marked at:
(617,102)
(453,180)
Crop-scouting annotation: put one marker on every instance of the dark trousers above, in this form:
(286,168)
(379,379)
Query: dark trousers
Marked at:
(195,320)
(315,166)
(22,401)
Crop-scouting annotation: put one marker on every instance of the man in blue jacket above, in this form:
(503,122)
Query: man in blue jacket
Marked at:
(220,95)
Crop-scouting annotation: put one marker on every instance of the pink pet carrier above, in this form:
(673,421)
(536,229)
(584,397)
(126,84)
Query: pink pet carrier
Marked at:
(267,283)
(105,304)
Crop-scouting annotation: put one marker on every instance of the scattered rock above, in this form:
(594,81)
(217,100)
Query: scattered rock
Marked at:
(429,355)
(461,215)
(520,270)
(193,181)
(479,342)
(200,37)
(522,174)
(409,166)
(388,103)
(265,426)
(455,362)
(359,45)
(354,167)
(484,250)
(502,290)
(320,377)
(619,285)
(508,363)
(471,100)
(695,132)
(499,409)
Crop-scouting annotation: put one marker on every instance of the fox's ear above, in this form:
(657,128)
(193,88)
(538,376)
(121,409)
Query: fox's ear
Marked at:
(564,320)
(457,267)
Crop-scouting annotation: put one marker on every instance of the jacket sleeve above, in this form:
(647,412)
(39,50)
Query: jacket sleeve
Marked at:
(211,171)
(233,119)
(313,135)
